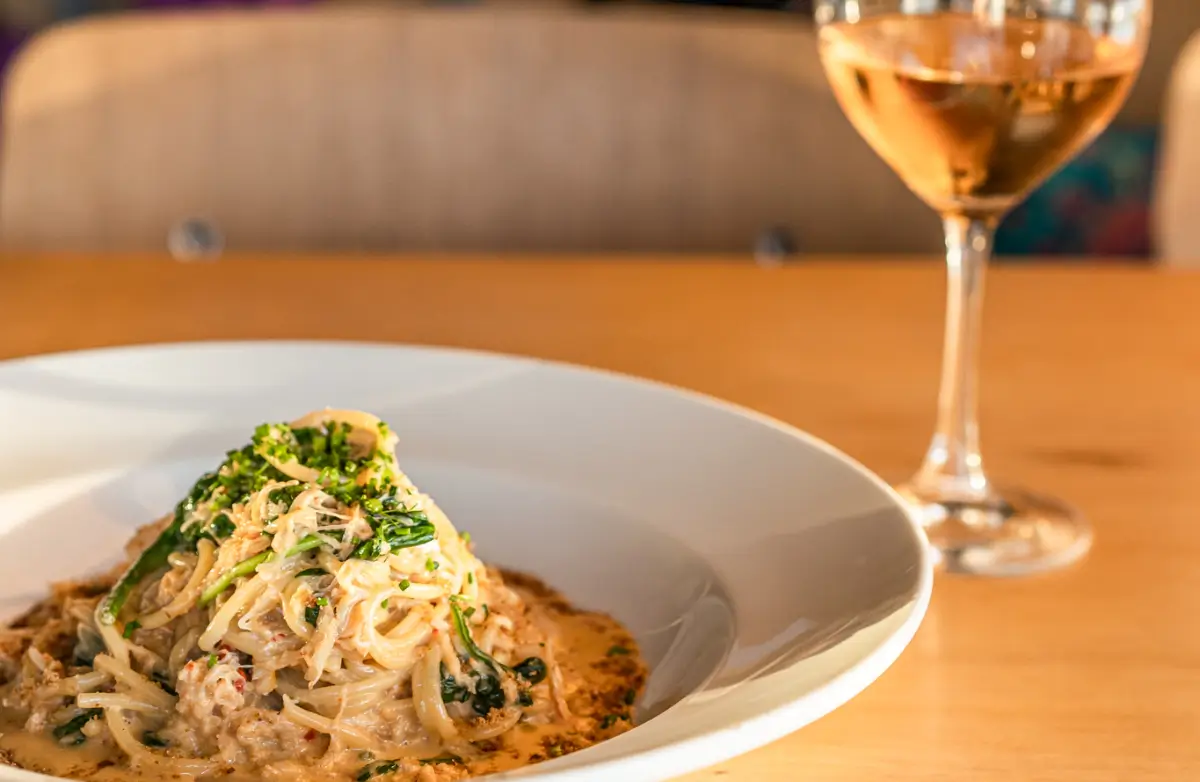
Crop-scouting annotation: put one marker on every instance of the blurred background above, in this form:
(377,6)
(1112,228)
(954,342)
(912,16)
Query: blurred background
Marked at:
(691,125)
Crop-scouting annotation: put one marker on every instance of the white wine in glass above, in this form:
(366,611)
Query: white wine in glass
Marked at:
(974,103)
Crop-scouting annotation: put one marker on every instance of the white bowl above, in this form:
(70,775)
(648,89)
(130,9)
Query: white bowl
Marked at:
(768,577)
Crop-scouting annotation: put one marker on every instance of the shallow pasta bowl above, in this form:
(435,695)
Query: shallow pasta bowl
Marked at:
(767,577)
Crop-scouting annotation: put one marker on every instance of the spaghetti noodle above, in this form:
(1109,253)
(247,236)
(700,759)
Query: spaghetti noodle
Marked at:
(306,611)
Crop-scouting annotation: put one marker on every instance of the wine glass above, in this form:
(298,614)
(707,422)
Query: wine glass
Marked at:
(974,103)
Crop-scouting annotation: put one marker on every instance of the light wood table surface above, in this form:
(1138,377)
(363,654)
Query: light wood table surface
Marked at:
(1091,390)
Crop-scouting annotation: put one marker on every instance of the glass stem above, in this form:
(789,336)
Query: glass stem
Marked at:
(953,468)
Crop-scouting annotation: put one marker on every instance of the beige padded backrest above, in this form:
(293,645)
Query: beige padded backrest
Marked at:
(1173,24)
(1177,202)
(441,128)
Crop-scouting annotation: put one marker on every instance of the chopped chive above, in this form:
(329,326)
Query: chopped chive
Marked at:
(617,651)
(405,584)
(384,604)
(431,565)
(212,660)
(630,697)
(470,578)
(322,601)
(130,629)
(466,537)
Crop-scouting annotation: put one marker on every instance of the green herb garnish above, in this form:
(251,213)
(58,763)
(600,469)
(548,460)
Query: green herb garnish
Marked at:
(152,559)
(489,695)
(306,543)
(130,629)
(617,651)
(246,471)
(371,548)
(244,568)
(452,691)
(222,527)
(390,767)
(394,530)
(286,495)
(464,635)
(531,669)
(75,724)
(248,566)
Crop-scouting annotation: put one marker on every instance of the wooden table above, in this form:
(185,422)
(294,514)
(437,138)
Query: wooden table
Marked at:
(1091,391)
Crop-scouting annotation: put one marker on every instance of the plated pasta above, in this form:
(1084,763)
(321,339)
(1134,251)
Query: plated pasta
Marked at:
(306,613)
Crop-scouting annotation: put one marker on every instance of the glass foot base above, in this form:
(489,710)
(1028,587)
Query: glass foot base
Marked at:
(1011,533)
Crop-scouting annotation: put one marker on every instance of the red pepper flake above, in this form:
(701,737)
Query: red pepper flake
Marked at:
(240,684)
(312,734)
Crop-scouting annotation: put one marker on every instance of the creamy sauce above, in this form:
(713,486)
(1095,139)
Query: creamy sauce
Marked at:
(598,658)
